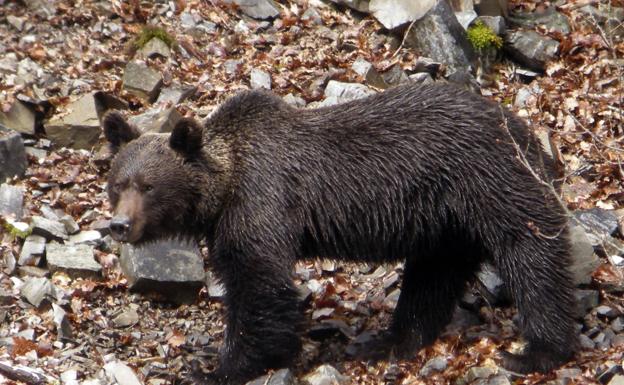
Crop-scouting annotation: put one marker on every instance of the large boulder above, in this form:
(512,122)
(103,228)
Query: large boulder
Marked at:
(12,154)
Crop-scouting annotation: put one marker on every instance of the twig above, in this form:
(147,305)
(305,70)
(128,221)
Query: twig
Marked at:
(22,375)
(404,38)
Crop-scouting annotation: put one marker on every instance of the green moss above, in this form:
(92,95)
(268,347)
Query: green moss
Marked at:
(483,38)
(149,32)
(14,231)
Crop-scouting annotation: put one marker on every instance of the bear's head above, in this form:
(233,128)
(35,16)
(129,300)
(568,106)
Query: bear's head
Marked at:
(162,185)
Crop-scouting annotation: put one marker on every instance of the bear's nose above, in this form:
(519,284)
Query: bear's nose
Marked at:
(120,227)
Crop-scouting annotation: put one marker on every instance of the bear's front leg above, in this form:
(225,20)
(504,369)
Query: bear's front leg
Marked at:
(263,314)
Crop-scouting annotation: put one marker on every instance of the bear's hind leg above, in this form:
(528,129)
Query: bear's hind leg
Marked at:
(429,293)
(536,272)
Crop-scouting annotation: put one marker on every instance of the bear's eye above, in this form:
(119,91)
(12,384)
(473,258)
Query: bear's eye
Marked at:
(148,188)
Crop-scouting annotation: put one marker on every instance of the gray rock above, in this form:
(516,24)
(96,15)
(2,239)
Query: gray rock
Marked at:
(215,288)
(37,153)
(584,261)
(32,271)
(598,222)
(492,8)
(549,19)
(8,63)
(154,48)
(450,45)
(338,92)
(188,20)
(436,364)
(617,325)
(569,372)
(21,117)
(493,288)
(395,13)
(464,79)
(367,71)
(395,76)
(587,300)
(586,342)
(156,120)
(175,94)
(122,373)
(618,379)
(477,372)
(421,78)
(232,66)
(495,23)
(311,15)
(79,127)
(294,101)
(325,375)
(425,64)
(531,49)
(606,15)
(171,268)
(38,291)
(499,379)
(465,18)
(260,79)
(42,8)
(102,226)
(16,22)
(358,5)
(607,311)
(63,327)
(89,237)
(12,154)
(70,224)
(11,201)
(258,9)
(49,229)
(128,317)
(75,260)
(280,377)
(34,247)
(142,81)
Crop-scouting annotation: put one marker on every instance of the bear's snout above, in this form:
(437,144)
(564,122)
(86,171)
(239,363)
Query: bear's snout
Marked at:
(120,227)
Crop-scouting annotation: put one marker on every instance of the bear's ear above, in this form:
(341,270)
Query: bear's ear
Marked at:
(186,137)
(117,130)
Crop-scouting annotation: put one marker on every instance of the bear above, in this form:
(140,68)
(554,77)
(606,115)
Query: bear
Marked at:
(431,175)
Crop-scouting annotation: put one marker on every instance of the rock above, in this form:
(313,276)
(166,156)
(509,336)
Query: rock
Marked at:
(607,311)
(75,260)
(464,79)
(531,49)
(128,317)
(11,201)
(90,237)
(618,379)
(280,377)
(606,15)
(38,291)
(586,342)
(63,327)
(492,287)
(499,379)
(122,373)
(32,271)
(70,224)
(37,153)
(368,72)
(358,5)
(294,101)
(395,76)
(462,5)
(79,128)
(49,229)
(189,20)
(337,92)
(311,15)
(465,18)
(421,78)
(21,117)
(215,288)
(549,19)
(425,64)
(142,81)
(156,120)
(34,247)
(260,79)
(12,154)
(587,300)
(584,261)
(436,364)
(171,268)
(617,325)
(477,372)
(495,23)
(492,8)
(154,48)
(102,226)
(175,94)
(16,22)
(598,223)
(450,45)
(232,66)
(258,9)
(8,63)
(395,13)
(325,375)
(569,372)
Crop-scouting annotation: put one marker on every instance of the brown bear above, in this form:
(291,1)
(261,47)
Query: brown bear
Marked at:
(434,176)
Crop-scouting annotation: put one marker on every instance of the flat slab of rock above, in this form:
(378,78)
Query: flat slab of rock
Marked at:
(20,117)
(260,79)
(176,94)
(89,237)
(38,290)
(154,48)
(142,81)
(584,260)
(280,377)
(156,120)
(79,128)
(49,229)
(11,201)
(75,260)
(325,374)
(12,154)
(171,268)
(258,9)
(394,13)
(366,70)
(34,247)
(338,92)
(531,49)
(124,375)
(450,45)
